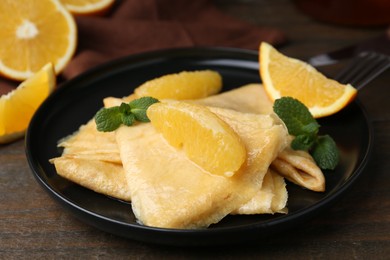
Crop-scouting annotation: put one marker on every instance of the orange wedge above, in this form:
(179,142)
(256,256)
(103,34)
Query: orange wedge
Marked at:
(183,85)
(34,33)
(87,7)
(18,106)
(205,138)
(285,76)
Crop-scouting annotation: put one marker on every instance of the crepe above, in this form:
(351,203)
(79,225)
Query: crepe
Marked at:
(249,98)
(270,199)
(91,159)
(89,144)
(170,191)
(100,176)
(103,172)
(300,168)
(97,166)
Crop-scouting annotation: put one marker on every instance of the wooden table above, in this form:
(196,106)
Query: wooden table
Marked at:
(33,226)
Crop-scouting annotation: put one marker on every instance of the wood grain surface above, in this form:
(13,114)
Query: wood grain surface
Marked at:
(33,226)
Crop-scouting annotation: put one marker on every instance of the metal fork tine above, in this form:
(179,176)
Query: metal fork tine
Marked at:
(356,65)
(365,67)
(371,73)
(371,63)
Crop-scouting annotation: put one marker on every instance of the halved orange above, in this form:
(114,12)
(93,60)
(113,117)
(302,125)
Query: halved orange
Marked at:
(88,7)
(34,33)
(18,106)
(285,76)
(206,139)
(183,85)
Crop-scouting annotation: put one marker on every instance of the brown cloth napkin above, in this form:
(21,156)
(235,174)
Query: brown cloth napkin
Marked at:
(134,26)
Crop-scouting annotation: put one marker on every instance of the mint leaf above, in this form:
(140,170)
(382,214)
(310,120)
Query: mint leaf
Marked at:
(139,107)
(301,124)
(108,119)
(302,142)
(311,128)
(128,119)
(125,108)
(143,102)
(295,116)
(325,153)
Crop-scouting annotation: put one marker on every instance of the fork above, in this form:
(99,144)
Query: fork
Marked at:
(363,68)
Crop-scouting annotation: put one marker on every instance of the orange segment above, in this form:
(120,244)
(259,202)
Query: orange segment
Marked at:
(205,138)
(18,106)
(87,7)
(183,85)
(34,33)
(285,76)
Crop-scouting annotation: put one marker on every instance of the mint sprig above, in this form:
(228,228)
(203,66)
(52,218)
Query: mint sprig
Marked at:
(109,119)
(301,124)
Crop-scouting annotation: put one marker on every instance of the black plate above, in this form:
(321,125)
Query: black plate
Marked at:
(78,100)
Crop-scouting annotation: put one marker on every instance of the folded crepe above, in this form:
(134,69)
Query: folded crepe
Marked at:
(89,144)
(249,98)
(100,176)
(270,199)
(91,159)
(96,166)
(300,168)
(168,190)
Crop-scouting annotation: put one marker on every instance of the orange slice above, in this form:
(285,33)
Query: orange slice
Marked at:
(34,33)
(87,7)
(18,106)
(285,76)
(183,85)
(205,138)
